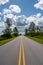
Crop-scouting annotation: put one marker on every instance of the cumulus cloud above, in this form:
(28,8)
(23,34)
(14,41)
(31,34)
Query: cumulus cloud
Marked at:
(2,2)
(15,8)
(35,18)
(6,11)
(22,22)
(11,16)
(1,24)
(39,4)
(0,13)
(38,15)
(17,21)
(12,9)
(0,18)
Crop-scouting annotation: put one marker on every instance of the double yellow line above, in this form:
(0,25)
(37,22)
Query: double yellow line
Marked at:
(21,59)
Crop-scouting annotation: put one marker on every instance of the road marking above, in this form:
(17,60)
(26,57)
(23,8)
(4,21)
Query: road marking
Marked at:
(21,54)
(19,60)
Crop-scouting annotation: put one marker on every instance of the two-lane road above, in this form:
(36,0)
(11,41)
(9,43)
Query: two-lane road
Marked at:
(21,51)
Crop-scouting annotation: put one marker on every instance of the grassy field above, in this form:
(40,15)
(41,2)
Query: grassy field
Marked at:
(6,41)
(36,39)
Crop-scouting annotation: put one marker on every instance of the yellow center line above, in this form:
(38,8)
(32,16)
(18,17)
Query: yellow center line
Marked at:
(19,60)
(21,54)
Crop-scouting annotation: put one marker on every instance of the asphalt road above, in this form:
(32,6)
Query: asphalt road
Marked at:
(21,51)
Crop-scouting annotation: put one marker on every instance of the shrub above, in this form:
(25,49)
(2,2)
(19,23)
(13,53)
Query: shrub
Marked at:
(35,34)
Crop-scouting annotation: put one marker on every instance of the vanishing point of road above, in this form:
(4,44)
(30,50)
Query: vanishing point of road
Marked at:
(21,51)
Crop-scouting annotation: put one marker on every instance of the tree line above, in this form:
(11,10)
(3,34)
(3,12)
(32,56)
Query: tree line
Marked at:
(7,32)
(33,30)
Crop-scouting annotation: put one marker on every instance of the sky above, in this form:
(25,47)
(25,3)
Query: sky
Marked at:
(21,12)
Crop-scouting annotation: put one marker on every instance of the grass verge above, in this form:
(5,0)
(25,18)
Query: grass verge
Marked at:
(36,39)
(6,41)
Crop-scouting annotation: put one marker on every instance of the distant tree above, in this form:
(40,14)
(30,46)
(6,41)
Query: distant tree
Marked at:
(15,30)
(37,29)
(32,27)
(7,31)
(8,23)
(26,31)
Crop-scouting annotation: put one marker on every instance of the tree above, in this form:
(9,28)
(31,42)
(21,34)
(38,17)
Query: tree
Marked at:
(37,29)
(32,27)
(7,31)
(8,23)
(26,31)
(15,30)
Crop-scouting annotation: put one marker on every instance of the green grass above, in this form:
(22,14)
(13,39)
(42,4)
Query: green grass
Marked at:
(6,41)
(36,39)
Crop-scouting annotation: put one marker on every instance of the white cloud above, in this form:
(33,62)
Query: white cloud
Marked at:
(2,24)
(0,18)
(8,16)
(38,15)
(9,11)
(35,18)
(15,8)
(6,11)
(30,19)
(0,13)
(22,21)
(39,5)
(17,21)
(2,2)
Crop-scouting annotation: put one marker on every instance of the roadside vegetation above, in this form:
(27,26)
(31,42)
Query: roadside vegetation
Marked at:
(39,40)
(8,33)
(6,41)
(33,34)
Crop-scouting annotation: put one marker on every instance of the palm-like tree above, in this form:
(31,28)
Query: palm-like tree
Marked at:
(15,30)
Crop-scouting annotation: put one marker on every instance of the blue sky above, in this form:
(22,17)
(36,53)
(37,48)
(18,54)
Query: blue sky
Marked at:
(27,6)
(21,12)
